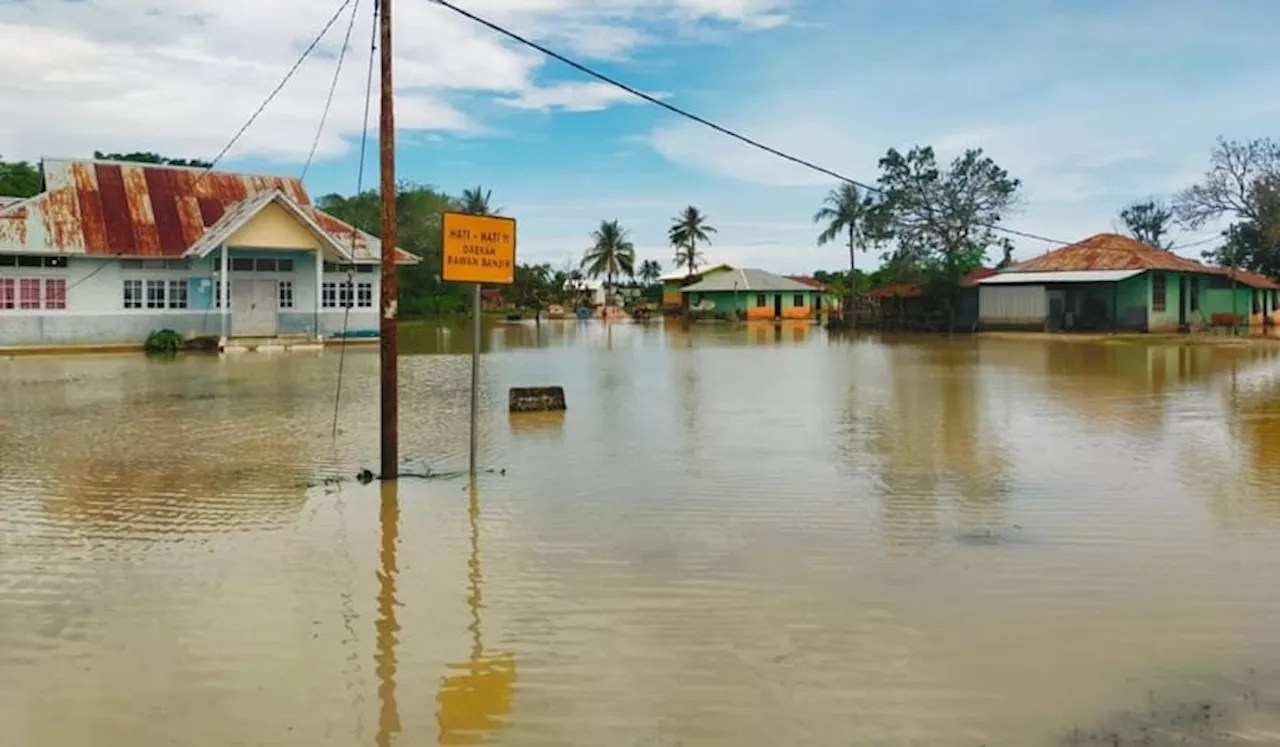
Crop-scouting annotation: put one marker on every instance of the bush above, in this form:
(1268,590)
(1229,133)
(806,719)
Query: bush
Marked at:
(163,342)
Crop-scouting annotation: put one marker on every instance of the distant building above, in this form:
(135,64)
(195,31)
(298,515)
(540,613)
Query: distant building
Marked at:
(1110,281)
(111,252)
(755,294)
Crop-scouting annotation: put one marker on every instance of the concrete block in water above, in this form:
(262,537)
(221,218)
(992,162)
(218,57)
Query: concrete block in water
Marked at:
(536,399)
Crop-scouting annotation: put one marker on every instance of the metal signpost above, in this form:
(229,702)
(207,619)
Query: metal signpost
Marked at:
(479,249)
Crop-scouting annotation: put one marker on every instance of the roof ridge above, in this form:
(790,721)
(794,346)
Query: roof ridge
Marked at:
(173,167)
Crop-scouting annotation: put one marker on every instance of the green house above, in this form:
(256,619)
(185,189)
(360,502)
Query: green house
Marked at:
(673,282)
(755,294)
(1110,282)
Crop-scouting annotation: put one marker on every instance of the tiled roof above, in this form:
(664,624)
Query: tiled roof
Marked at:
(745,280)
(913,290)
(680,273)
(1109,251)
(1251,279)
(108,208)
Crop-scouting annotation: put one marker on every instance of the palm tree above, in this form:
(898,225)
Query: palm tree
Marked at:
(687,229)
(650,271)
(475,201)
(610,255)
(845,210)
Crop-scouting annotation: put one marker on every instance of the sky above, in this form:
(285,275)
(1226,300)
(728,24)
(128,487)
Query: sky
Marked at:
(1092,104)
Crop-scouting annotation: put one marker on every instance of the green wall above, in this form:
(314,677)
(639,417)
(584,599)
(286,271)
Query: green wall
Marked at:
(729,302)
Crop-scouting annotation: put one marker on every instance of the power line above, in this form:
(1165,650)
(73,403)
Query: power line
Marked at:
(333,87)
(276,91)
(364,142)
(695,118)
(248,123)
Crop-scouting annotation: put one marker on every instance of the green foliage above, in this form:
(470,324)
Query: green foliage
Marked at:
(476,201)
(1149,221)
(164,343)
(19,179)
(943,219)
(611,253)
(147,157)
(1242,184)
(687,229)
(848,212)
(650,272)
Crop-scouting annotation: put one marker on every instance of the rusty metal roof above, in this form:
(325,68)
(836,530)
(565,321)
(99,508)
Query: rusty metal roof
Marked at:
(109,208)
(1251,279)
(1109,251)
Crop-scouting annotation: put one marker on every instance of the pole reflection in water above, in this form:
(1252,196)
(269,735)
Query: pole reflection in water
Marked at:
(387,627)
(477,698)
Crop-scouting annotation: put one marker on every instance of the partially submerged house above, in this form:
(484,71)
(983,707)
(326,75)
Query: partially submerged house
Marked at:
(909,306)
(1109,282)
(754,294)
(674,281)
(110,252)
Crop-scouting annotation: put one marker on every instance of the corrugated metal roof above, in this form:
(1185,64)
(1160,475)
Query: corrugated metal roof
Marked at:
(808,280)
(1251,279)
(1064,276)
(1108,251)
(109,208)
(745,280)
(242,212)
(6,201)
(681,273)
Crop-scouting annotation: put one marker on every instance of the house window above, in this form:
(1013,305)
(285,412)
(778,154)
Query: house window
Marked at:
(177,294)
(133,294)
(24,261)
(1157,292)
(285,290)
(761,301)
(361,269)
(364,295)
(6,293)
(242,264)
(1194,298)
(155,294)
(55,293)
(338,295)
(798,301)
(29,293)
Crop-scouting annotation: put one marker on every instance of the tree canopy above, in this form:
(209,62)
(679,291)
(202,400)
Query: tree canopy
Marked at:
(19,179)
(688,229)
(1149,221)
(1242,185)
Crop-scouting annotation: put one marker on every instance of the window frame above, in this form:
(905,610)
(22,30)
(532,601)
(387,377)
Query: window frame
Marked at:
(798,301)
(136,299)
(762,301)
(285,294)
(1159,292)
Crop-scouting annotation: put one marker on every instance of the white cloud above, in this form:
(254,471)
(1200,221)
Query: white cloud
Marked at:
(125,75)
(574,97)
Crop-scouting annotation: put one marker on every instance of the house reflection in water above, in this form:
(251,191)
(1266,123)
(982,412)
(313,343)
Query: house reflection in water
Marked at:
(475,699)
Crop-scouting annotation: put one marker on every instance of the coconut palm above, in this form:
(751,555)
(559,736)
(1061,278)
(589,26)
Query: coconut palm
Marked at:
(650,271)
(687,230)
(476,201)
(611,254)
(846,211)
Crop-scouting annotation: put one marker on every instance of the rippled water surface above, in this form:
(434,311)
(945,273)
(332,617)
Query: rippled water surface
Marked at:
(734,536)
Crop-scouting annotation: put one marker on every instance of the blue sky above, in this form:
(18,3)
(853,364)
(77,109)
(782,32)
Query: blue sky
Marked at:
(1091,104)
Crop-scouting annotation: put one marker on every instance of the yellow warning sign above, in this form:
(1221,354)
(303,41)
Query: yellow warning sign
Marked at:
(479,249)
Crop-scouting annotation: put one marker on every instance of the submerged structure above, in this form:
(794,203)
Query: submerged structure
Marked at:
(112,251)
(1113,282)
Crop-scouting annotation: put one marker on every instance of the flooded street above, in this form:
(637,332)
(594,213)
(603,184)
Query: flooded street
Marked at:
(734,536)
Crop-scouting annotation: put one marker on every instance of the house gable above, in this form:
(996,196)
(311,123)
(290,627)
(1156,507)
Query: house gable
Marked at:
(274,228)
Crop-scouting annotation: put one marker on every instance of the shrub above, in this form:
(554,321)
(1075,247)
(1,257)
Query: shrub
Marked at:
(163,342)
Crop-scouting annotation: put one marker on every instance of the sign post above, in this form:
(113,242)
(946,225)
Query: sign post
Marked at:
(479,249)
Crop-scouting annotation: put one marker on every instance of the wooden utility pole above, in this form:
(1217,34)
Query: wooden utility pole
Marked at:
(387,305)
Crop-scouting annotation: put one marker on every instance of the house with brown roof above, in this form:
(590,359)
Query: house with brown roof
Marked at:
(1109,282)
(110,252)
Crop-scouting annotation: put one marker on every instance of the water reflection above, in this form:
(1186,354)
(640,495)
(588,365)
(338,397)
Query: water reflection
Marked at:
(388,630)
(476,700)
(1001,540)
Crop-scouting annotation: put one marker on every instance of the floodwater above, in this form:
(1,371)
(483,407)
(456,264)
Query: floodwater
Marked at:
(734,536)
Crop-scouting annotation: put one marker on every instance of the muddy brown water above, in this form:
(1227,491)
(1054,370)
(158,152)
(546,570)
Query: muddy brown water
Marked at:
(734,536)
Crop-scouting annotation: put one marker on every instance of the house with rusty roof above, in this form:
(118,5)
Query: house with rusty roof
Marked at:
(110,252)
(1109,282)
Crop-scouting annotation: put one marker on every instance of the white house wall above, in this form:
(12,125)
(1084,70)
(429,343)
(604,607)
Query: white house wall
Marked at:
(1012,305)
(95,313)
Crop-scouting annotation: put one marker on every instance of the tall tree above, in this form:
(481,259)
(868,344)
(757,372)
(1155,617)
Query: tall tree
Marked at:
(611,254)
(477,201)
(945,219)
(19,179)
(1149,221)
(849,213)
(650,271)
(688,229)
(1243,185)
